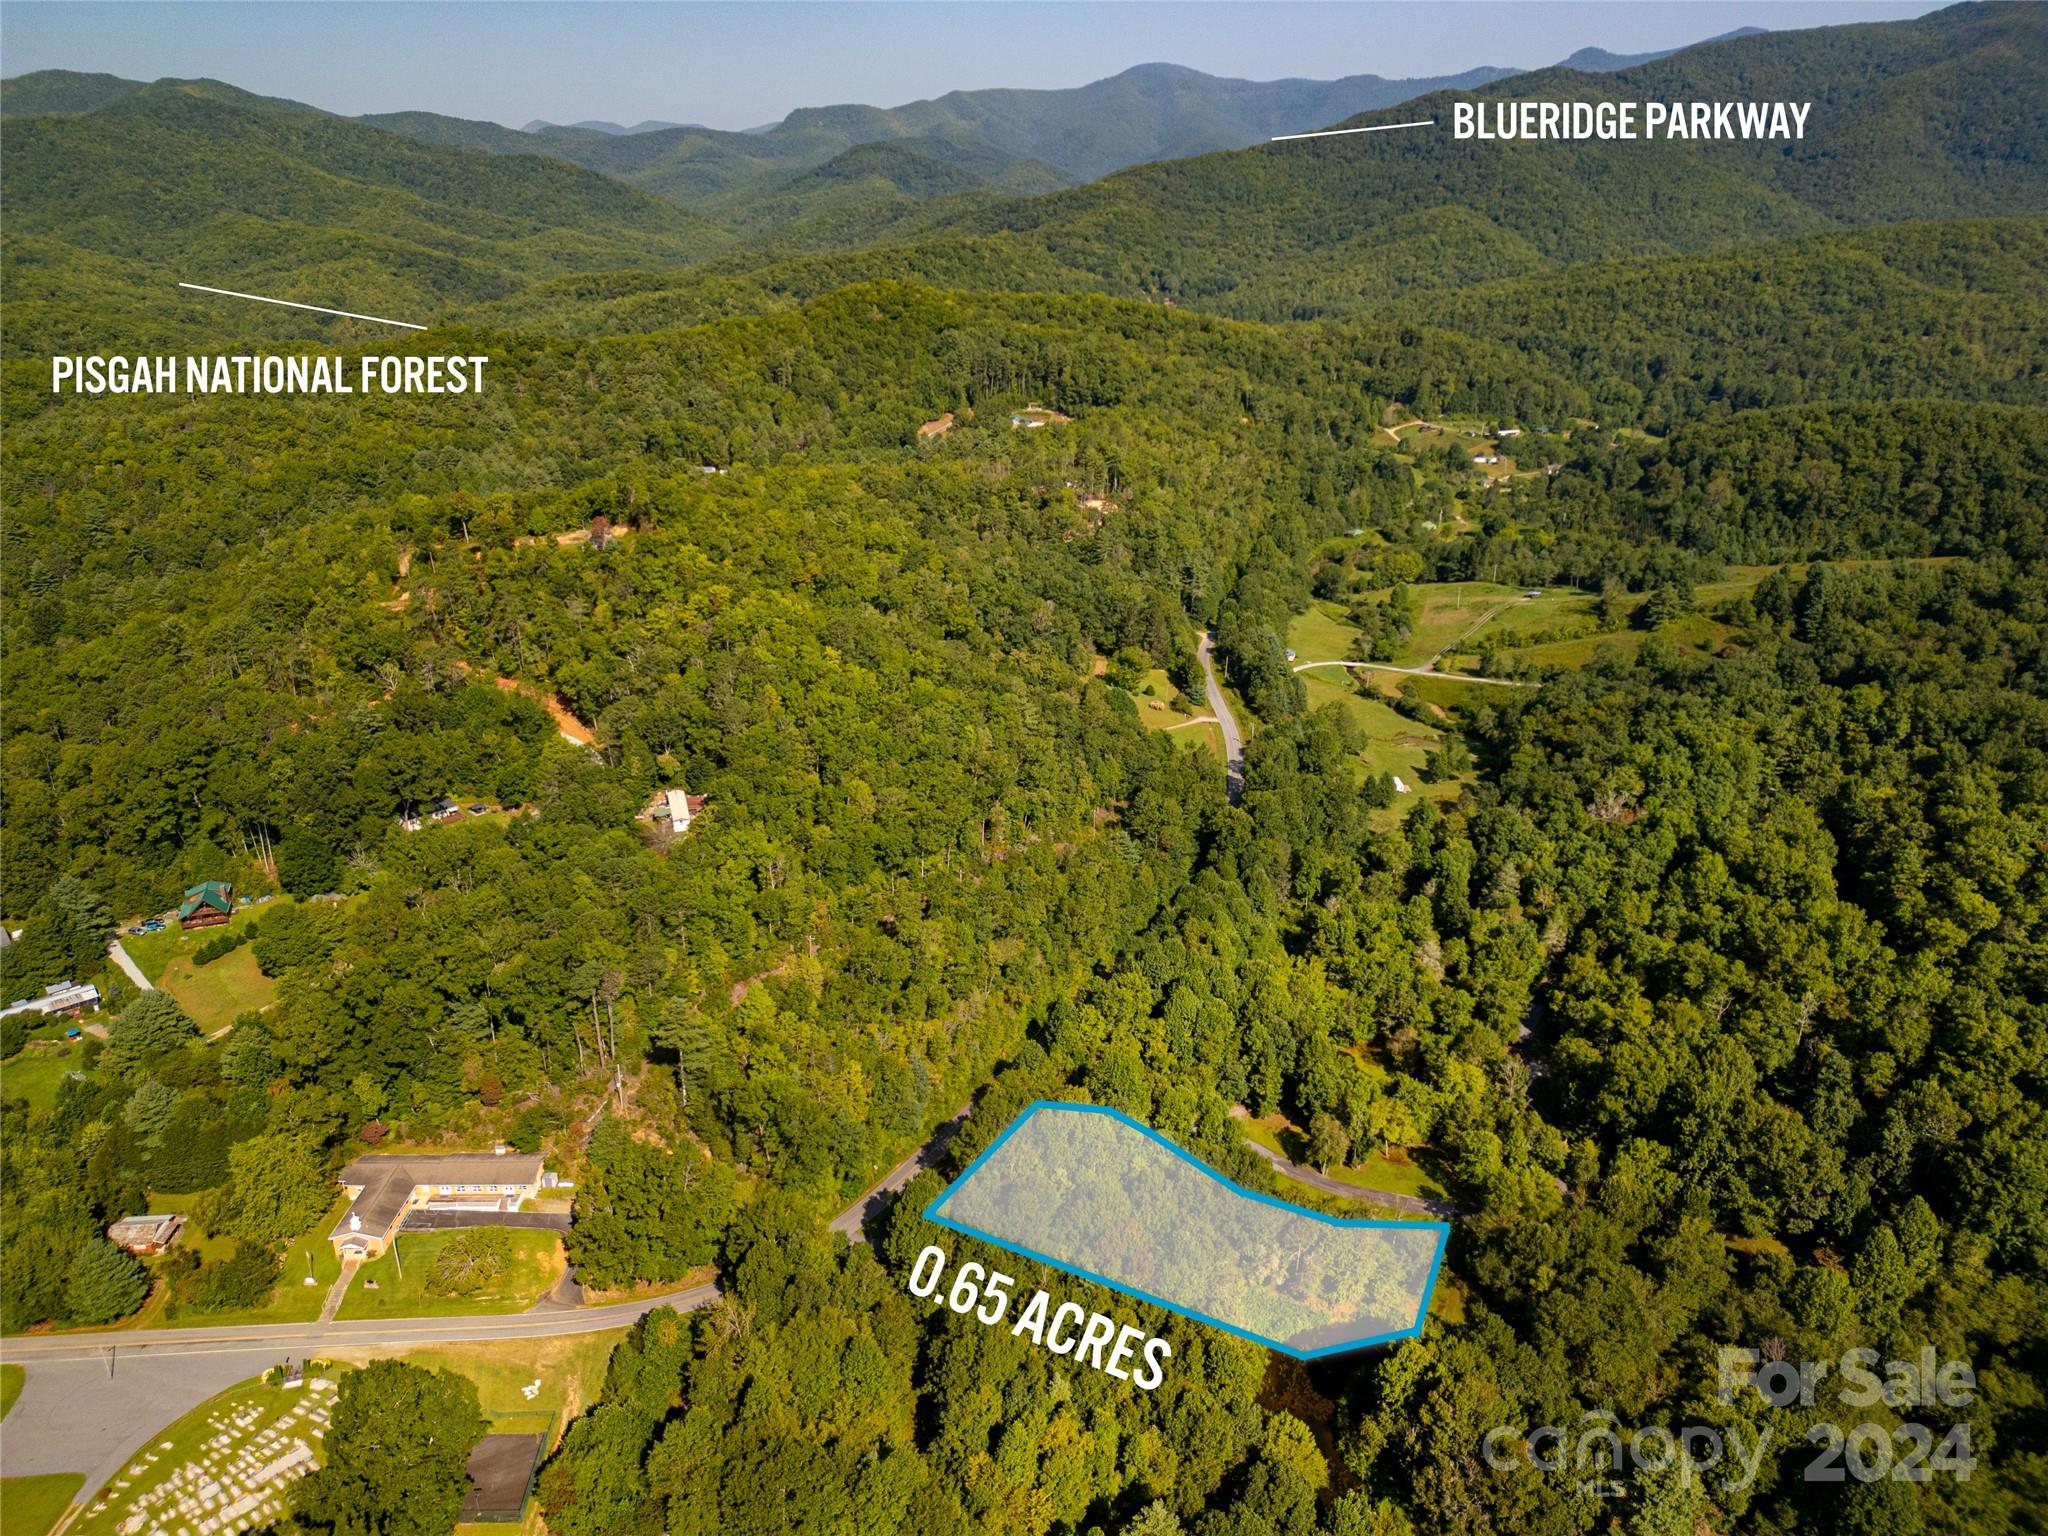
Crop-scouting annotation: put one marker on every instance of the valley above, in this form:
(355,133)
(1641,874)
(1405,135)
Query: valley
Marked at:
(1500,684)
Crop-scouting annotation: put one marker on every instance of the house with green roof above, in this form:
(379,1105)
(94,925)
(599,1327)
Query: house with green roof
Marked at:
(207,904)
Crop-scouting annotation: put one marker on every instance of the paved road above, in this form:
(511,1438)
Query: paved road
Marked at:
(1455,677)
(129,968)
(82,1410)
(92,1400)
(1416,1204)
(1219,706)
(854,1219)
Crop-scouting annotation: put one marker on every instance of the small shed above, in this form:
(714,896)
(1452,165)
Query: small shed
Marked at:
(145,1234)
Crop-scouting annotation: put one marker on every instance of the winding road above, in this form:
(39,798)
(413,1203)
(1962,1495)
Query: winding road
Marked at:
(852,1222)
(1417,1205)
(1219,706)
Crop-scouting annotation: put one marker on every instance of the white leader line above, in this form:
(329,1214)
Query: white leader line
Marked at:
(1331,133)
(346,314)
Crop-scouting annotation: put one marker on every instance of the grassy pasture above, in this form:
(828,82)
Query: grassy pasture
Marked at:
(215,994)
(1394,743)
(36,1072)
(1321,634)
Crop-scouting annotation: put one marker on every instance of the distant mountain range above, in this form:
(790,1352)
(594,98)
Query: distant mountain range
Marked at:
(541,125)
(1001,140)
(1150,112)
(1598,61)
(115,184)
(830,175)
(1915,120)
(107,208)
(822,177)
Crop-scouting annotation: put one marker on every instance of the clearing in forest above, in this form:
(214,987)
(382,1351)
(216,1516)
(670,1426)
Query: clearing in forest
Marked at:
(1089,1190)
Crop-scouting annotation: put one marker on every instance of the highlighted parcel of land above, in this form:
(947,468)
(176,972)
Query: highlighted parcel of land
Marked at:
(1089,1190)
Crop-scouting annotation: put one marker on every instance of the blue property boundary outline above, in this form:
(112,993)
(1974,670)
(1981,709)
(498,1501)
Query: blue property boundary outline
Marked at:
(1443,1232)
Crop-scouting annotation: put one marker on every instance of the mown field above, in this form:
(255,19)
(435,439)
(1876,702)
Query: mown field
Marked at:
(396,1285)
(219,992)
(36,1072)
(29,1506)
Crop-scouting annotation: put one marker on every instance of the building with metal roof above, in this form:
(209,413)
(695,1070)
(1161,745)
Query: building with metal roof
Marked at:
(383,1187)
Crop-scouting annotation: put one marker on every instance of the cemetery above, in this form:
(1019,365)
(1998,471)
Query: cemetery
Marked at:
(227,1468)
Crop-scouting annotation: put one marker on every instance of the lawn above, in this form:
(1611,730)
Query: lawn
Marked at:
(1447,613)
(1266,1131)
(1694,631)
(1394,743)
(1161,706)
(1446,693)
(12,1379)
(569,1367)
(29,1506)
(1206,737)
(218,994)
(291,1300)
(381,1290)
(215,994)
(34,1074)
(1562,606)
(1321,634)
(1390,1172)
(191,1235)
(153,951)
(1522,615)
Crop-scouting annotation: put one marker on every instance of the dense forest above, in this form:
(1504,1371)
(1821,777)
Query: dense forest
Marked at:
(1704,977)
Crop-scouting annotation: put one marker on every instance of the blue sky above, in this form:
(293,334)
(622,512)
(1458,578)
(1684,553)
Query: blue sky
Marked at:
(741,65)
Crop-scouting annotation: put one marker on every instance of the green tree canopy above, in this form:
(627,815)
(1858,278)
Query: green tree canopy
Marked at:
(398,1449)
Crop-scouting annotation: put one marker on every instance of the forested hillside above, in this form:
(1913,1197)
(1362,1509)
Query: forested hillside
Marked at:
(1342,226)
(1007,140)
(109,210)
(1628,572)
